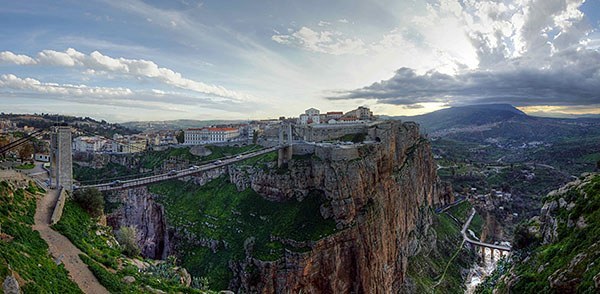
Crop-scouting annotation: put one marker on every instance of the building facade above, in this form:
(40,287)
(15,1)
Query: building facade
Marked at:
(88,144)
(361,113)
(199,136)
(310,116)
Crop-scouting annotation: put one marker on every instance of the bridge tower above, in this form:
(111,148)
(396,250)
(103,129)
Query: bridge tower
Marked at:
(61,158)
(284,154)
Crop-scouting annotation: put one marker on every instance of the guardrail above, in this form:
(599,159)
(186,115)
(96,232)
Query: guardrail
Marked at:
(60,205)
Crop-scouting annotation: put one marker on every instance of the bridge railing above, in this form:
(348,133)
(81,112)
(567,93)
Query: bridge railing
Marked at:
(180,173)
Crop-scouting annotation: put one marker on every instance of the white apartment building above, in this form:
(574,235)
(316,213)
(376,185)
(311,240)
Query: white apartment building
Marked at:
(198,136)
(88,144)
(310,116)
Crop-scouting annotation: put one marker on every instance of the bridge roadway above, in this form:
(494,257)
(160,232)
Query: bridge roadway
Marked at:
(125,184)
(468,239)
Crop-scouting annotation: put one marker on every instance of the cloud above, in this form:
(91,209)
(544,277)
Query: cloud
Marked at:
(136,68)
(413,106)
(571,77)
(329,42)
(9,57)
(530,53)
(343,20)
(18,87)
(323,23)
(10,81)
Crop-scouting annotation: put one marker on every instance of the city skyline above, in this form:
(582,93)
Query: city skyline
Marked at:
(158,60)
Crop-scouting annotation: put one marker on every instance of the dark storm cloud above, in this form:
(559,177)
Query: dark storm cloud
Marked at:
(571,77)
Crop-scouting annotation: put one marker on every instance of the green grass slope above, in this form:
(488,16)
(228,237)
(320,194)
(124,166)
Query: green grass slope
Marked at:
(23,249)
(233,221)
(439,271)
(104,257)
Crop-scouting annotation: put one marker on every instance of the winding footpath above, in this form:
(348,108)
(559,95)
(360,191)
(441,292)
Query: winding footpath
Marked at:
(60,247)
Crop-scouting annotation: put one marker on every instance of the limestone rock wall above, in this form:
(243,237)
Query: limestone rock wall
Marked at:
(139,209)
(380,203)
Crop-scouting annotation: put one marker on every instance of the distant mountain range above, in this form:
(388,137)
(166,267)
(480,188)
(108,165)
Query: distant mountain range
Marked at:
(180,124)
(477,122)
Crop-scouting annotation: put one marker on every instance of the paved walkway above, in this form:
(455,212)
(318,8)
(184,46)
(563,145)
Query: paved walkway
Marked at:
(61,247)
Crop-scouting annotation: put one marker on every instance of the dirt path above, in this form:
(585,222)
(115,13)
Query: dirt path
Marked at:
(61,247)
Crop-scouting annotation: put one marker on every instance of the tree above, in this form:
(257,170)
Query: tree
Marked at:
(26,151)
(4,141)
(127,238)
(180,136)
(90,199)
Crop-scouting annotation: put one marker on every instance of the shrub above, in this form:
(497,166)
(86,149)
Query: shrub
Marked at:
(126,237)
(91,200)
(523,239)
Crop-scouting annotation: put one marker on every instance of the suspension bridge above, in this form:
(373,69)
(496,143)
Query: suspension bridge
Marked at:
(174,174)
(61,159)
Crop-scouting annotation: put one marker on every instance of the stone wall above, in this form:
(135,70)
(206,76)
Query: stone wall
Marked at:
(60,205)
(328,132)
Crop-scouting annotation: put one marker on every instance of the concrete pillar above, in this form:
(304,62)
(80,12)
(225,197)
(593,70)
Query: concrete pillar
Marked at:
(62,158)
(483,254)
(285,153)
(280,135)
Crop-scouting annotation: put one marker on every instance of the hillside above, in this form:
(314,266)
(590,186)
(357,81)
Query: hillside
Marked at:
(84,124)
(493,133)
(465,116)
(558,251)
(476,123)
(24,258)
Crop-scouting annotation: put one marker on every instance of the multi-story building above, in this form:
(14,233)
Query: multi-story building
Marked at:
(88,144)
(310,116)
(7,125)
(361,113)
(199,136)
(129,144)
(334,115)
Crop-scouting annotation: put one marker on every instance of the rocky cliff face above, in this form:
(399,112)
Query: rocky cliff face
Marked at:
(562,246)
(379,203)
(138,209)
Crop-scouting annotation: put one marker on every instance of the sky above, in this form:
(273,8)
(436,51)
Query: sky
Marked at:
(159,60)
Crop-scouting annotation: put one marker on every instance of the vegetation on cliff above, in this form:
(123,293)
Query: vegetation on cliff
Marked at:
(440,270)
(22,250)
(105,259)
(558,252)
(220,224)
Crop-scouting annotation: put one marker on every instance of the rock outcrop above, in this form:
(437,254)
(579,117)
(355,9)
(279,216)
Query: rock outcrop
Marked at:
(10,285)
(138,209)
(380,203)
(563,248)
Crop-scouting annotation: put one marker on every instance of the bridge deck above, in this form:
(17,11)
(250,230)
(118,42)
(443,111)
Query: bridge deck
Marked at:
(478,243)
(178,174)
